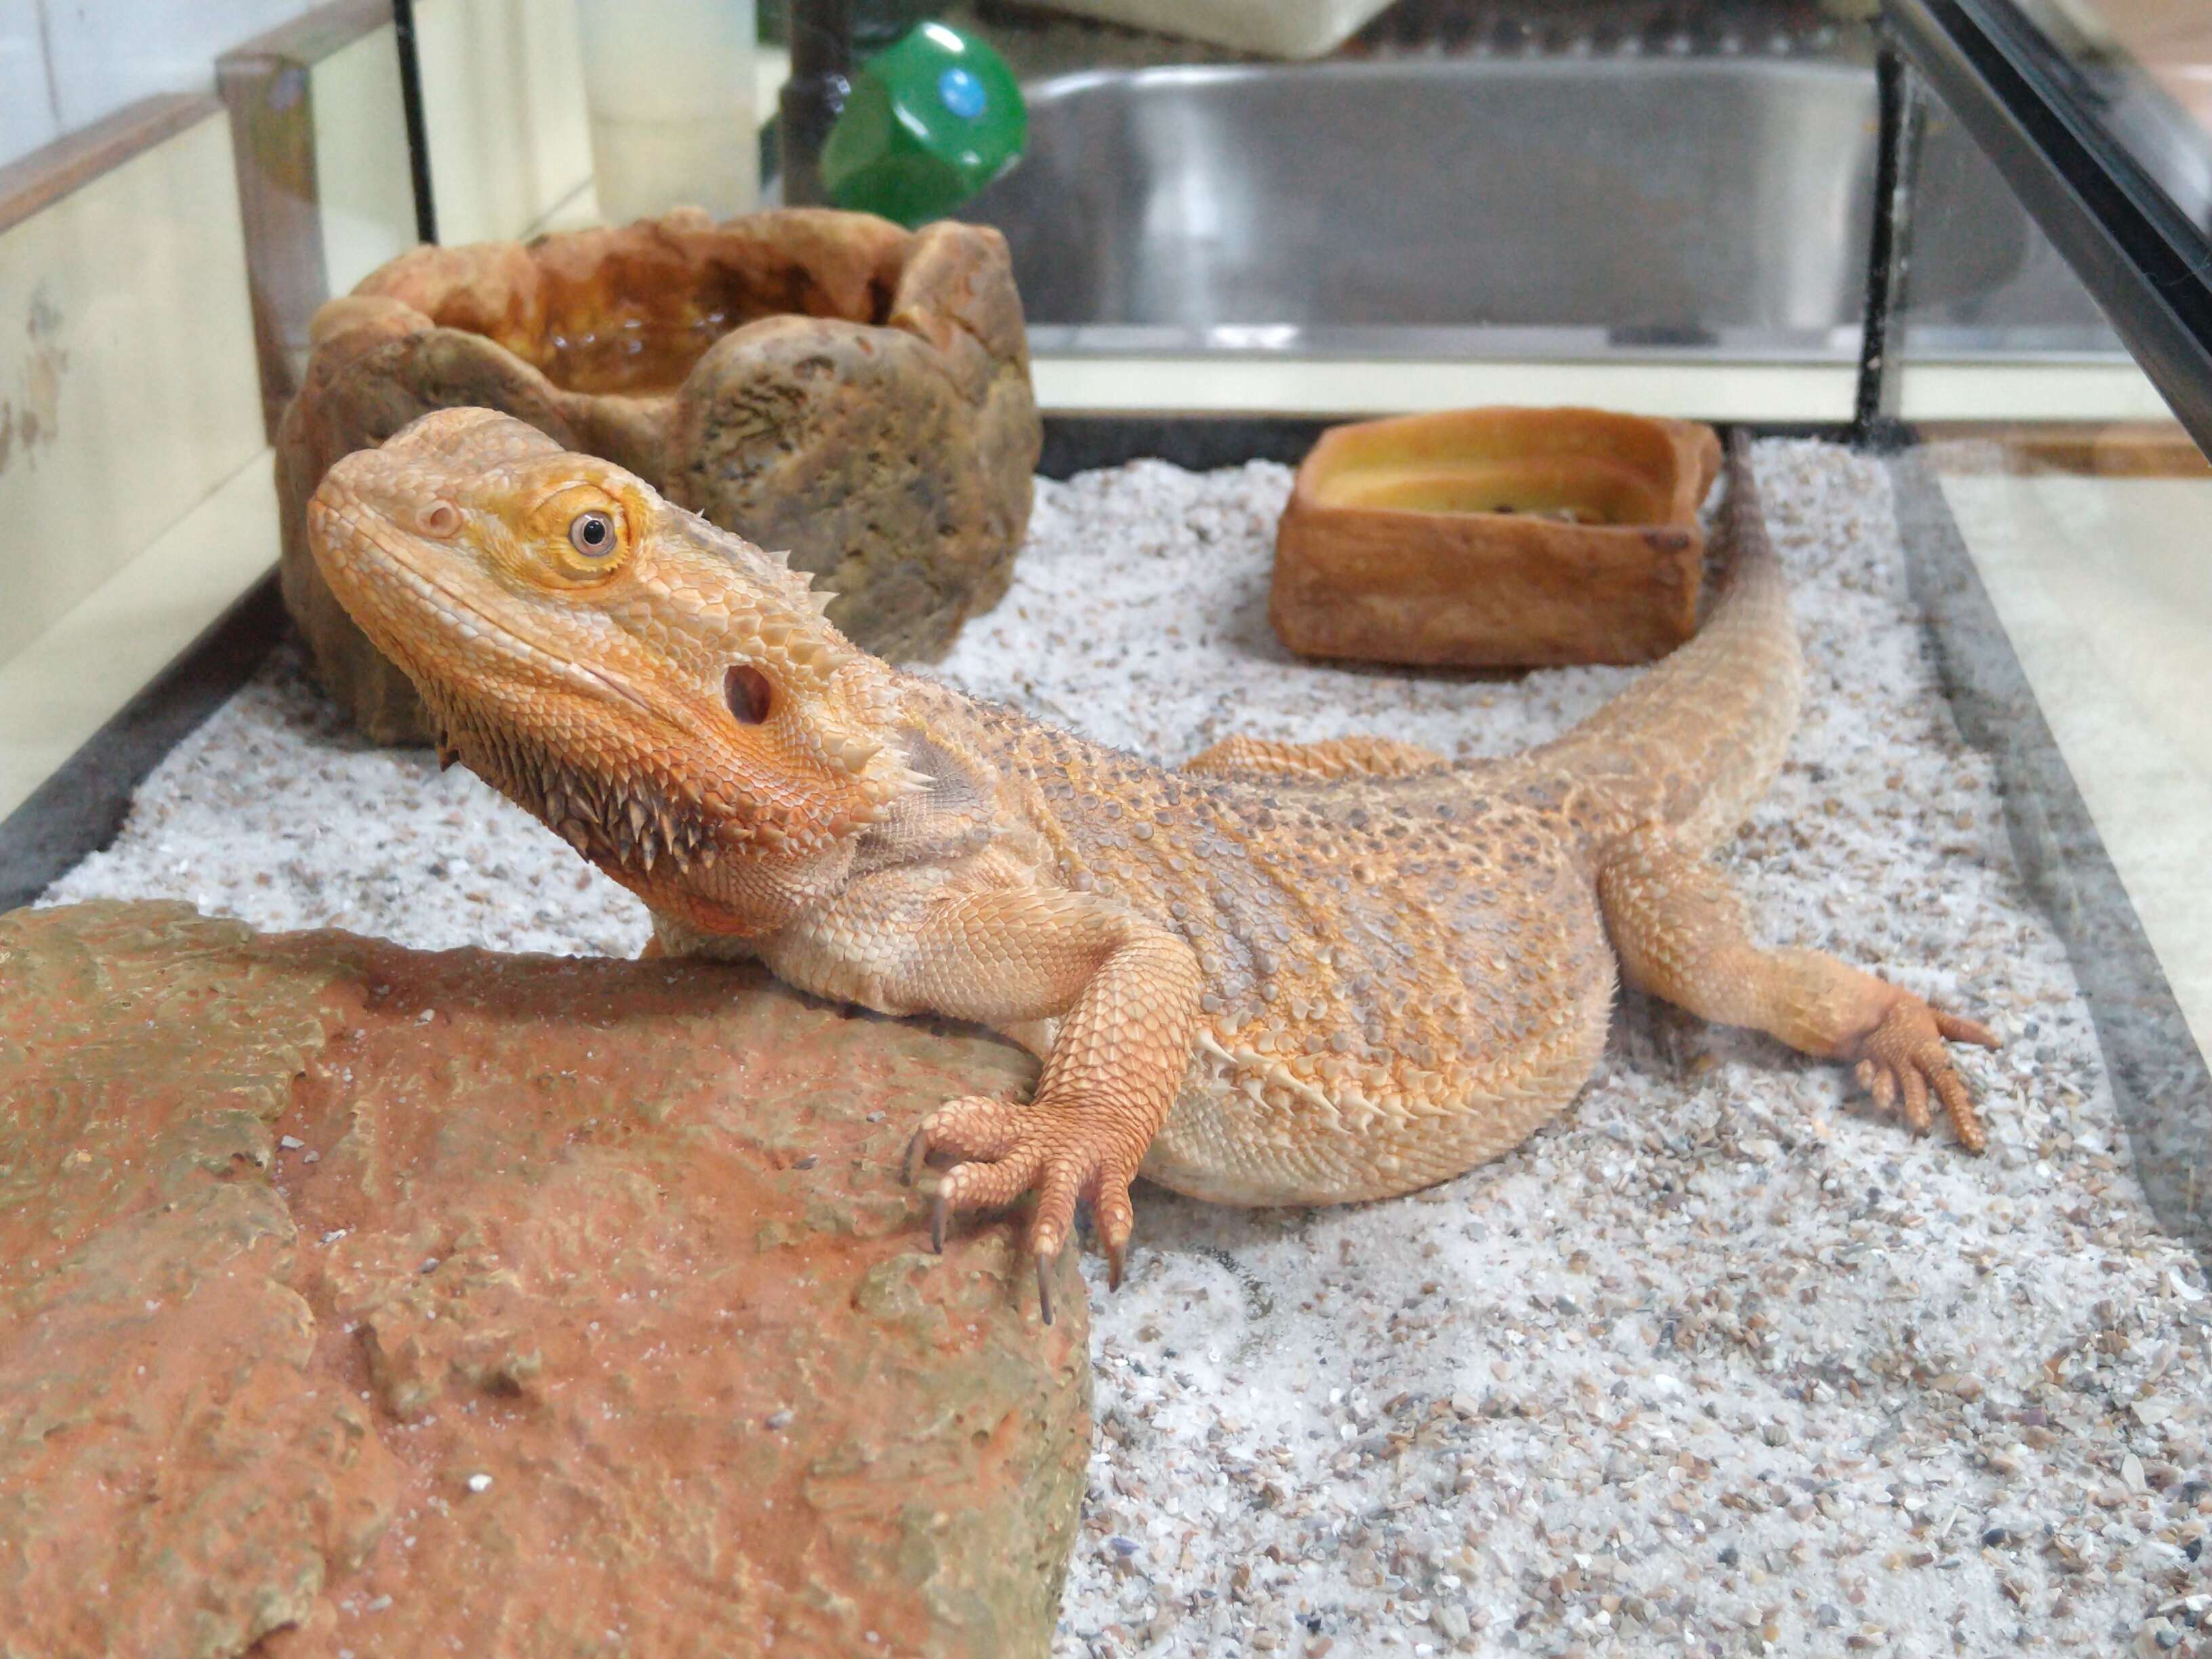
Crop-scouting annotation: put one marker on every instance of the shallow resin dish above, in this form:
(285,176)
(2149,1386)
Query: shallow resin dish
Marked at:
(1496,538)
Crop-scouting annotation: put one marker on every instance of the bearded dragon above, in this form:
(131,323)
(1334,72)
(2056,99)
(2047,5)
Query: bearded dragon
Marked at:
(1284,974)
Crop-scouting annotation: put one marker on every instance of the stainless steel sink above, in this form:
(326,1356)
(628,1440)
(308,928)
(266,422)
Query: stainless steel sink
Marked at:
(1490,206)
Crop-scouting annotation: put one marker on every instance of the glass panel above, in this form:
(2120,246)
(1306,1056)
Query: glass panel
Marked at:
(2145,68)
(1994,324)
(1500,1306)
(2064,575)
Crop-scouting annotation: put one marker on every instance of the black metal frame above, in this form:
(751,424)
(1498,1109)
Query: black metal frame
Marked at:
(2146,263)
(814,95)
(418,132)
(1874,422)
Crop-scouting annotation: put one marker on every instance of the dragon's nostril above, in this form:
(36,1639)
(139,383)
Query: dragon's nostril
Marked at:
(747,691)
(440,518)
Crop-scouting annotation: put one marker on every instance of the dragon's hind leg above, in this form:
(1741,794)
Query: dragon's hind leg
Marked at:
(1680,936)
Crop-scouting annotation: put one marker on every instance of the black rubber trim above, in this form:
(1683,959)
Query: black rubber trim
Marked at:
(418,129)
(1080,443)
(1875,422)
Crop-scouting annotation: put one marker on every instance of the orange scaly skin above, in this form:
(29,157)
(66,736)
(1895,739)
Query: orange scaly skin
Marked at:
(1286,974)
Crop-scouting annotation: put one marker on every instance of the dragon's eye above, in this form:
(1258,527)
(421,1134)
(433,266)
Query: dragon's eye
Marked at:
(593,534)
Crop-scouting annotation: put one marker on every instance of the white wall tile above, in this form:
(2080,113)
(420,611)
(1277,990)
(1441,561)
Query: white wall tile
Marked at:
(107,54)
(27,111)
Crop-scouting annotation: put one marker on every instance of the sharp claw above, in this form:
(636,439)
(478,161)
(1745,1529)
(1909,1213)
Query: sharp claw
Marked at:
(917,1148)
(1113,1257)
(937,1223)
(1960,1029)
(1953,1094)
(1972,1135)
(1044,1286)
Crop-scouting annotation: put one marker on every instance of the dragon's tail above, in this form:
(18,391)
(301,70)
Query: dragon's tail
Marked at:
(1696,740)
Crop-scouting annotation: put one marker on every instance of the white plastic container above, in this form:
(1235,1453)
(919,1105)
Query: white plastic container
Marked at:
(669,86)
(1272,29)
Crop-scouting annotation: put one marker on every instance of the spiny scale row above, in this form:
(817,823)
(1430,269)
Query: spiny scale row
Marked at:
(621,825)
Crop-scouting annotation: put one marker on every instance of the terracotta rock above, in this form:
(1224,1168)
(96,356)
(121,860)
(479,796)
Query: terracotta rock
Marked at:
(820,382)
(1496,538)
(358,1298)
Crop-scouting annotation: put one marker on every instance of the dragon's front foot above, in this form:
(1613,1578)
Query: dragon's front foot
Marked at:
(1903,1058)
(1066,1152)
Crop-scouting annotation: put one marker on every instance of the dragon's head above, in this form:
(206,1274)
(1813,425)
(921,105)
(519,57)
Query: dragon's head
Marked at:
(652,687)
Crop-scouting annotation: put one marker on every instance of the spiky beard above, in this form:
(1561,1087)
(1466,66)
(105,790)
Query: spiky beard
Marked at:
(632,821)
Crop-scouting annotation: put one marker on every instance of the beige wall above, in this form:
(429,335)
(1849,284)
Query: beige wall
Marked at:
(502,95)
(365,196)
(132,453)
(325,176)
(128,390)
(503,104)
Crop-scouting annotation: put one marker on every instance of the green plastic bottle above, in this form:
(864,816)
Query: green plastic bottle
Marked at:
(929,123)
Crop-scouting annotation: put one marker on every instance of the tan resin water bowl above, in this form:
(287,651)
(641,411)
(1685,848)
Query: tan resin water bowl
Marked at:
(1496,538)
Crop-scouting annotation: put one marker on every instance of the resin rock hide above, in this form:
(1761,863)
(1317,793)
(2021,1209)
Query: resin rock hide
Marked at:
(358,1299)
(815,381)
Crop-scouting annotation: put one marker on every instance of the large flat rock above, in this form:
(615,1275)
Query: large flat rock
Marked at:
(359,1299)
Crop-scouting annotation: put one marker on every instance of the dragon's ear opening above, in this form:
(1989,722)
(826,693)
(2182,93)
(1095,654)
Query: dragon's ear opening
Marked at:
(748,693)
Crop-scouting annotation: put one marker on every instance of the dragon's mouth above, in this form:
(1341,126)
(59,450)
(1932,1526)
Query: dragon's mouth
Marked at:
(348,528)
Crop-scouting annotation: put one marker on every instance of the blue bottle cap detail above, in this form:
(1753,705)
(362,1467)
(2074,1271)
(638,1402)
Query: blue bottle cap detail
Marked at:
(961,93)
(929,123)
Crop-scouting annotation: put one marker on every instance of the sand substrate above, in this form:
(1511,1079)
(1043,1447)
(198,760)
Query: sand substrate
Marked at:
(1721,1362)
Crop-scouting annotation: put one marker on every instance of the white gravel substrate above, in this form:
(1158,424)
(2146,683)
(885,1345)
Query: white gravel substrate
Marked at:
(1720,1363)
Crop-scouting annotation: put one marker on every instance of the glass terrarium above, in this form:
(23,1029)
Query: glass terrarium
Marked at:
(1106,829)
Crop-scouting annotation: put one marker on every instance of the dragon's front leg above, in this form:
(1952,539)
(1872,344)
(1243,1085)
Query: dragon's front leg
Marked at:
(1125,993)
